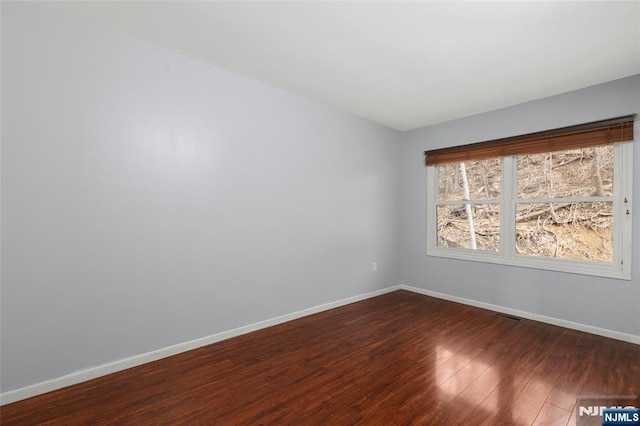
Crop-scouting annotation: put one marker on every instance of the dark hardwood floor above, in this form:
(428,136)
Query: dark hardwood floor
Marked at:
(400,358)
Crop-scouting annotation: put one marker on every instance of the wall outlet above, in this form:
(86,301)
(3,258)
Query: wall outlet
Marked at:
(374,266)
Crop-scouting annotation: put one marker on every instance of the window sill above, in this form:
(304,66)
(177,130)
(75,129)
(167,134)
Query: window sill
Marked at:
(607,270)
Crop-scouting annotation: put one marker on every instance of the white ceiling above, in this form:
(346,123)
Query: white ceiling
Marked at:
(401,64)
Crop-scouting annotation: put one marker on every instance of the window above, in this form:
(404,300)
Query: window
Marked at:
(560,200)
(472,224)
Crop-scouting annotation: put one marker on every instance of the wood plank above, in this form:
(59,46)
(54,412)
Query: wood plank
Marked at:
(550,415)
(400,358)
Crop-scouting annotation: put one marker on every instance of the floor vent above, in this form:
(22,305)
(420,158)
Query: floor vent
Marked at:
(511,317)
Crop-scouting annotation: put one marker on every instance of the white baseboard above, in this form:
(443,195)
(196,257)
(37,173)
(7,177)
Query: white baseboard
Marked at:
(123,364)
(536,317)
(115,366)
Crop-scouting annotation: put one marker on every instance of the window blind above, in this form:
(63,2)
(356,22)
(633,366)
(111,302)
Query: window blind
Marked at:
(619,129)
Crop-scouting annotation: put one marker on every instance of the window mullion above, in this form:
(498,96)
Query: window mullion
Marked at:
(565,200)
(473,202)
(507,208)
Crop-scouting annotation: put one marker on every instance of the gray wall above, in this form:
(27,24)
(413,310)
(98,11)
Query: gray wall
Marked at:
(605,303)
(149,199)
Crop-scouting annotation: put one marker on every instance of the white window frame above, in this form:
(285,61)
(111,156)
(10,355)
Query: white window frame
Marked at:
(619,267)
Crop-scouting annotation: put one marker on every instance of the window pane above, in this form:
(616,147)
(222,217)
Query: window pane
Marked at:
(581,231)
(454,225)
(574,173)
(483,178)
